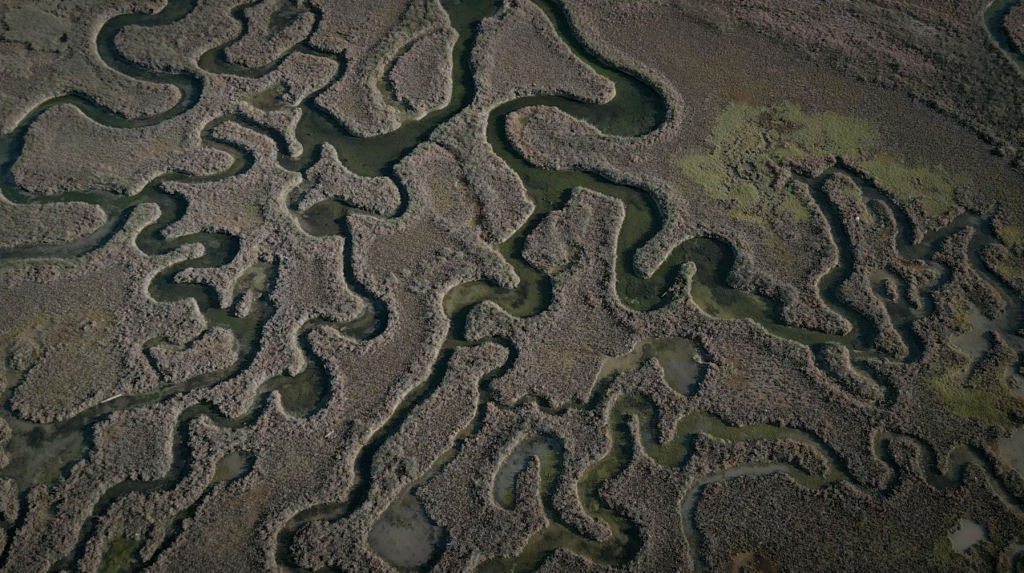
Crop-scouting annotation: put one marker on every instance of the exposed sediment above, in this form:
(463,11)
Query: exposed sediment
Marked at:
(938,52)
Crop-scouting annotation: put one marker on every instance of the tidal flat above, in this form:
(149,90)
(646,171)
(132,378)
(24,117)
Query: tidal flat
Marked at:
(517,285)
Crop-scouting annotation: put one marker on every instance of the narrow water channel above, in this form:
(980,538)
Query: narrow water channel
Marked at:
(993,18)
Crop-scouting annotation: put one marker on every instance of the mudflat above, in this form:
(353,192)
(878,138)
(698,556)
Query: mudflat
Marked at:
(517,285)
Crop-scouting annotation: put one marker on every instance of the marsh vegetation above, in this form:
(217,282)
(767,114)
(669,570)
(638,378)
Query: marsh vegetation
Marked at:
(471,285)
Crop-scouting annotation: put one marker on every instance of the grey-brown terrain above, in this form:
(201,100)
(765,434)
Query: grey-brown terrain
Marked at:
(517,285)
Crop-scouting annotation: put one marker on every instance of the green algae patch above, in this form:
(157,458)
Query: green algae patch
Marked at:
(751,142)
(943,551)
(935,187)
(548,452)
(554,537)
(668,454)
(302,394)
(745,137)
(268,98)
(1011,268)
(1012,236)
(784,131)
(120,555)
(984,396)
(795,207)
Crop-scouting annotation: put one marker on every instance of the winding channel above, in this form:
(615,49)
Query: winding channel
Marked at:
(992,18)
(41,453)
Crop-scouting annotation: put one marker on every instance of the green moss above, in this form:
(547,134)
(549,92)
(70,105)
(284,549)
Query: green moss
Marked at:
(984,397)
(508,498)
(934,186)
(747,139)
(268,98)
(943,550)
(1012,236)
(785,131)
(795,207)
(853,193)
(712,174)
(119,556)
(1011,268)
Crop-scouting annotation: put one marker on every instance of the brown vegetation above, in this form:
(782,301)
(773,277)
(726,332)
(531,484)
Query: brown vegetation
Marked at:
(371,36)
(1014,26)
(177,47)
(261,45)
(768,230)
(310,281)
(501,75)
(48,49)
(77,328)
(27,225)
(65,151)
(422,76)
(561,349)
(782,522)
(330,179)
(787,450)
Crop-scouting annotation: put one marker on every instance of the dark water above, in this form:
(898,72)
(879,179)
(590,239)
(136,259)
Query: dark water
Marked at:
(993,17)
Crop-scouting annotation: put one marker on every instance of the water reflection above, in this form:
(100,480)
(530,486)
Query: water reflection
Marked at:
(404,536)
